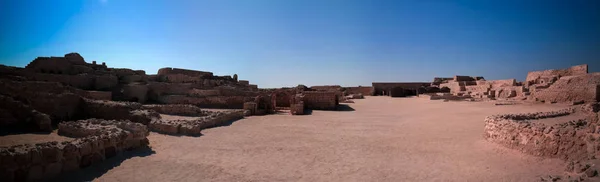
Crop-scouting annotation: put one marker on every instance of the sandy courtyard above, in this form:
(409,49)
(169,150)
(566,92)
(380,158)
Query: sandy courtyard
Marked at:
(382,139)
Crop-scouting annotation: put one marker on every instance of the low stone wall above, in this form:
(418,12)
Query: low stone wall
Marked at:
(320,100)
(97,95)
(112,110)
(223,102)
(99,139)
(573,140)
(176,109)
(194,127)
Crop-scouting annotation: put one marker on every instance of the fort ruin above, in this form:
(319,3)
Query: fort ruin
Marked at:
(103,112)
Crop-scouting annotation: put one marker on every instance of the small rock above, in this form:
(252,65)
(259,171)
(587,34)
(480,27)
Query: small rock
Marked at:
(591,172)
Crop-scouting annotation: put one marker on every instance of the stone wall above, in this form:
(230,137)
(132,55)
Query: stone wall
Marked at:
(111,110)
(194,127)
(176,109)
(320,100)
(380,88)
(574,70)
(97,140)
(571,88)
(229,102)
(16,115)
(572,140)
(193,73)
(359,90)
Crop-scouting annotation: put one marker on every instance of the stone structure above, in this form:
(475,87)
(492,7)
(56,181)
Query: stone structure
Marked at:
(573,84)
(96,141)
(359,90)
(571,138)
(320,100)
(194,126)
(399,89)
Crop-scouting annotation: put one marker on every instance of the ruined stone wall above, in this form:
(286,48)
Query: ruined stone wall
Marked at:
(97,95)
(380,87)
(229,102)
(359,90)
(571,88)
(111,110)
(54,65)
(17,115)
(176,109)
(47,160)
(193,73)
(320,100)
(572,140)
(194,127)
(135,92)
(574,70)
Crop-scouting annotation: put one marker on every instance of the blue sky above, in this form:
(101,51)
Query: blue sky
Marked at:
(275,43)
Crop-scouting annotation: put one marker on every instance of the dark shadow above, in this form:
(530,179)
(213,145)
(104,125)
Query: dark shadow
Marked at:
(96,170)
(179,135)
(226,123)
(308,111)
(344,107)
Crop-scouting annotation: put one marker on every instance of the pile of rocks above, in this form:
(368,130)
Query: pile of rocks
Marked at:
(97,140)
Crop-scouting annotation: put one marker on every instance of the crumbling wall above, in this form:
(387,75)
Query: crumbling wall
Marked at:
(572,140)
(118,111)
(571,88)
(135,92)
(15,114)
(98,141)
(226,102)
(574,70)
(359,90)
(193,73)
(320,100)
(176,109)
(194,127)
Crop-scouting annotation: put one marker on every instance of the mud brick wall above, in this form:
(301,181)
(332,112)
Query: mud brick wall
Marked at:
(379,87)
(502,83)
(176,109)
(320,100)
(47,160)
(572,140)
(574,70)
(359,90)
(571,88)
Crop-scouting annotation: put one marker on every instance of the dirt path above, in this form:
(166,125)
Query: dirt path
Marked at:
(384,139)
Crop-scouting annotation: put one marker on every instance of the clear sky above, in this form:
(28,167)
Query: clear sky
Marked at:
(275,43)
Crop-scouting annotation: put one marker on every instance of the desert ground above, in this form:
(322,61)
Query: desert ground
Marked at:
(373,139)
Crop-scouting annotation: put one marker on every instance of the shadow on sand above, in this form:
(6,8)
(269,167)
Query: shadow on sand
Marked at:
(344,107)
(96,170)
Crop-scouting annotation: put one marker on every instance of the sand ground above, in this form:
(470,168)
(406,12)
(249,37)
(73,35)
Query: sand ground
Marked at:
(383,139)
(31,138)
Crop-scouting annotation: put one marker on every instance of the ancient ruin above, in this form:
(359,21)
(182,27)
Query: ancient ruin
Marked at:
(101,112)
